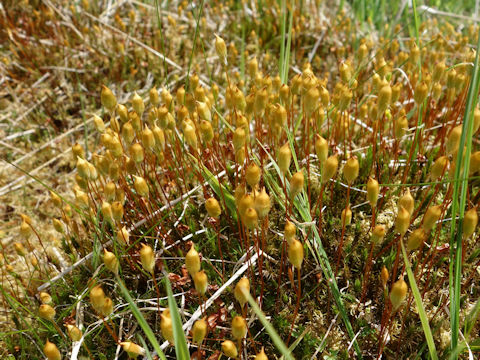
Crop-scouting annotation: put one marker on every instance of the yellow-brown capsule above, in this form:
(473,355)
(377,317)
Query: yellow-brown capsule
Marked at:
(436,91)
(398,293)
(220,48)
(135,120)
(252,67)
(180,95)
(362,52)
(296,183)
(351,170)
(97,298)
(384,276)
(57,225)
(20,249)
(99,124)
(239,138)
(284,93)
(372,192)
(203,111)
(213,208)
(123,236)
(416,239)
(133,350)
(284,158)
(137,104)
(239,193)
(192,261)
(310,100)
(110,261)
(261,97)
(402,222)
(51,351)
(239,327)
(153,95)
(46,312)
(122,112)
(83,168)
(262,204)
(407,202)
(378,233)
(239,99)
(289,231)
(431,217)
(321,148)
(140,186)
(470,222)
(74,332)
(384,98)
(167,98)
(250,218)
(200,281)
(107,308)
(280,115)
(396,89)
(241,290)
(190,136)
(295,253)
(324,96)
(244,203)
(420,93)
(476,120)
(253,174)
(199,331)
(148,139)
(240,155)
(56,200)
(147,257)
(229,349)
(45,297)
(159,136)
(206,131)
(261,355)
(345,72)
(128,133)
(439,71)
(439,168)
(107,98)
(401,126)
(330,168)
(475,162)
(453,140)
(117,211)
(166,326)
(107,212)
(346,216)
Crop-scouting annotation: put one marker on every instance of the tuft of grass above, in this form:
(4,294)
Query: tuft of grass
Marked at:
(458,206)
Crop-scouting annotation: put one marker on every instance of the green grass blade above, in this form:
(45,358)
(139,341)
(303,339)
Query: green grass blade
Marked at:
(286,64)
(418,301)
(144,344)
(460,192)
(271,331)
(181,347)
(141,320)
(283,26)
